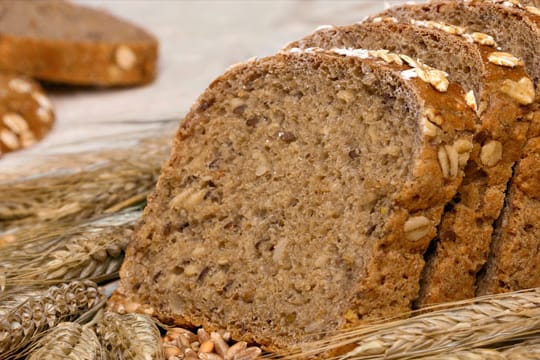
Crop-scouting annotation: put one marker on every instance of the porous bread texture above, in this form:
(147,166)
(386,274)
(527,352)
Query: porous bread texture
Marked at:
(464,235)
(516,29)
(26,113)
(60,42)
(513,29)
(300,196)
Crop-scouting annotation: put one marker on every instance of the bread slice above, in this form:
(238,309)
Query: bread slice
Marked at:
(514,258)
(26,113)
(60,42)
(300,195)
(464,235)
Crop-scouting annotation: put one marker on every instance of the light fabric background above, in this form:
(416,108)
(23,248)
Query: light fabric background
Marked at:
(198,41)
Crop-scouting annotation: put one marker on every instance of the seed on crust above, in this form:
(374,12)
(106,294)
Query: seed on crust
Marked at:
(428,128)
(44,115)
(522,91)
(504,59)
(15,122)
(449,159)
(417,227)
(20,85)
(470,99)
(491,153)
(463,148)
(433,116)
(42,100)
(453,158)
(125,57)
(483,39)
(9,139)
(450,29)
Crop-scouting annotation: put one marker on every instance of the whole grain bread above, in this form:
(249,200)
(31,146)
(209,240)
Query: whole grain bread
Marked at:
(300,196)
(464,235)
(514,257)
(56,41)
(26,113)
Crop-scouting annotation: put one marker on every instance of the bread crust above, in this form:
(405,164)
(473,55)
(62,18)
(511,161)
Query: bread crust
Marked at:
(506,267)
(391,277)
(79,60)
(466,230)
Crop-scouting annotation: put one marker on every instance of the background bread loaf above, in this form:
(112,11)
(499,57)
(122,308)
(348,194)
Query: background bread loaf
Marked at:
(61,42)
(26,113)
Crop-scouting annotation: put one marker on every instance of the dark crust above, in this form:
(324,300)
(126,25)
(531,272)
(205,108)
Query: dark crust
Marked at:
(466,230)
(425,194)
(79,61)
(514,262)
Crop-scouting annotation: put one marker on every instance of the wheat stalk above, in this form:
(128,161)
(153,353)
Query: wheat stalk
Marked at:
(68,340)
(522,350)
(92,250)
(123,180)
(130,336)
(464,325)
(24,317)
(474,354)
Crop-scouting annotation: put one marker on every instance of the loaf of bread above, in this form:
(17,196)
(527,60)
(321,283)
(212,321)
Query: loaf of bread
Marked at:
(56,41)
(300,196)
(515,256)
(26,113)
(464,235)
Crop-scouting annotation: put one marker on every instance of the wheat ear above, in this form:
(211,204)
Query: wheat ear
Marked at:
(464,325)
(523,350)
(68,340)
(112,185)
(34,312)
(92,251)
(130,336)
(529,349)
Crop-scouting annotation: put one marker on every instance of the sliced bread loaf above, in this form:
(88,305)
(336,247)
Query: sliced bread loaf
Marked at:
(300,196)
(515,256)
(464,235)
(57,41)
(26,114)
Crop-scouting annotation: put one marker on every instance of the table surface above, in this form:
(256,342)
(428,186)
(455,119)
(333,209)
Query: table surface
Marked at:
(198,41)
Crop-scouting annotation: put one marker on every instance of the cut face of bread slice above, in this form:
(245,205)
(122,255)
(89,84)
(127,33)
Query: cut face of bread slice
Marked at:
(26,113)
(464,236)
(61,42)
(516,29)
(301,194)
